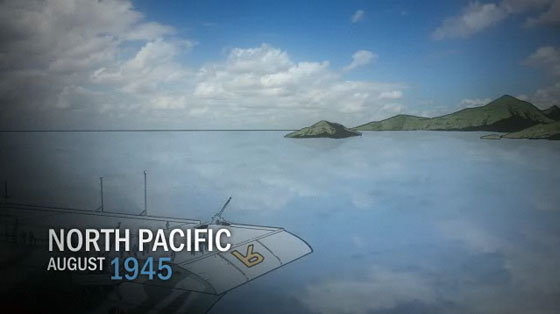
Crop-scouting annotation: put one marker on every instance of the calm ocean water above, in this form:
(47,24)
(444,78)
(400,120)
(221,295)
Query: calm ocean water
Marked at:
(401,222)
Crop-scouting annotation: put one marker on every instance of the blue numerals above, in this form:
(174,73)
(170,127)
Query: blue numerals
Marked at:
(131,268)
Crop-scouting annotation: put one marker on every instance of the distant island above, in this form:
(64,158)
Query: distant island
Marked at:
(507,114)
(324,129)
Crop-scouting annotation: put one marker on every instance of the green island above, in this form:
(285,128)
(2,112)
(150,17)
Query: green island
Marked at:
(324,129)
(507,114)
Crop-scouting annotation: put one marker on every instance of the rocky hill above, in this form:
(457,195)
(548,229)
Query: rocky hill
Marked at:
(324,129)
(505,114)
(553,113)
(550,131)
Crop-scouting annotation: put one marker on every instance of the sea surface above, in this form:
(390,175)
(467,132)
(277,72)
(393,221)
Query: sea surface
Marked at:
(400,222)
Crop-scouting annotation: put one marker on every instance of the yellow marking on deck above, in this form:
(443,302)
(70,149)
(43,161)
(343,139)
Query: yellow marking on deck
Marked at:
(250,258)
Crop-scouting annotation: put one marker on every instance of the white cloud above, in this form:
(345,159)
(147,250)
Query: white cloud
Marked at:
(57,32)
(358,16)
(50,49)
(477,16)
(546,58)
(265,78)
(547,96)
(259,72)
(263,59)
(394,94)
(96,75)
(149,31)
(380,289)
(549,17)
(153,66)
(360,58)
(475,102)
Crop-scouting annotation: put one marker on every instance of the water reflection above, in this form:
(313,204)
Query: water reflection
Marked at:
(401,222)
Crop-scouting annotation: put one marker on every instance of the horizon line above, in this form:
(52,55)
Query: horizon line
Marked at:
(140,130)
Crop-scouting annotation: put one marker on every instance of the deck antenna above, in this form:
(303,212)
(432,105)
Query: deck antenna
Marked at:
(102,207)
(145,211)
(217,218)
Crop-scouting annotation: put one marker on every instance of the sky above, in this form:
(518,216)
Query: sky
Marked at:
(82,64)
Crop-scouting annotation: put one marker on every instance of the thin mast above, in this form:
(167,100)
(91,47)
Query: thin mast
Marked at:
(101,186)
(145,193)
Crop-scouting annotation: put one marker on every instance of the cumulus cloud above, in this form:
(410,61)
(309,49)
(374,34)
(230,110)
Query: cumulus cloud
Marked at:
(547,59)
(357,16)
(50,49)
(547,96)
(477,16)
(394,94)
(548,17)
(266,78)
(152,66)
(474,102)
(69,35)
(102,64)
(149,31)
(360,58)
(262,71)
